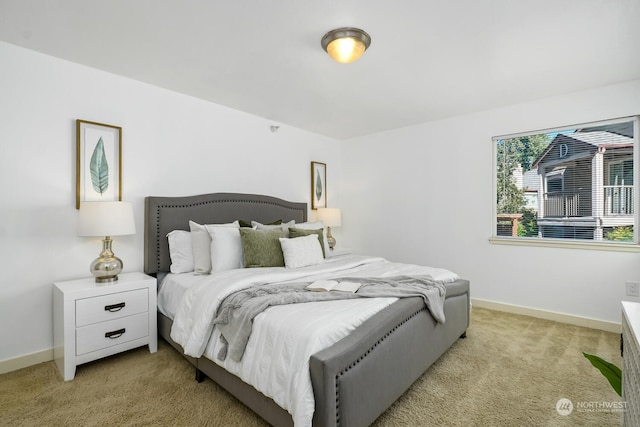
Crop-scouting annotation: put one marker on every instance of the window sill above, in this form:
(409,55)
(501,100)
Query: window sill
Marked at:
(550,243)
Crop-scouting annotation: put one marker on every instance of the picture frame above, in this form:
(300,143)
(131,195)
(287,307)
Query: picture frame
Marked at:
(98,162)
(318,185)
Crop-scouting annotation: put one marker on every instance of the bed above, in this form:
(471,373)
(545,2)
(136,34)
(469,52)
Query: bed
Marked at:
(353,380)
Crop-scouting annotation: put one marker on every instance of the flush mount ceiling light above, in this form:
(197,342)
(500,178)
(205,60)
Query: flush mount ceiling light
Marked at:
(346,45)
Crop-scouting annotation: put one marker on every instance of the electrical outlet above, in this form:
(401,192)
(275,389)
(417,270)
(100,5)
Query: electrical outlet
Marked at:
(633,289)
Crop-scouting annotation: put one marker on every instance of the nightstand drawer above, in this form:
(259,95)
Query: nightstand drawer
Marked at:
(111,306)
(106,334)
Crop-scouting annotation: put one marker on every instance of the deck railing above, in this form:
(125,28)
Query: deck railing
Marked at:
(561,204)
(618,200)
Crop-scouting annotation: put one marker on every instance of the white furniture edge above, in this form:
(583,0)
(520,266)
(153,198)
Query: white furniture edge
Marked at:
(631,363)
(633,315)
(65,332)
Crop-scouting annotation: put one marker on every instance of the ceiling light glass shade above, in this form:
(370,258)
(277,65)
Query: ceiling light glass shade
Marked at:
(346,45)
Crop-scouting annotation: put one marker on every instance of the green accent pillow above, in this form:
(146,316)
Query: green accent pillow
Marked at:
(262,248)
(299,232)
(247,224)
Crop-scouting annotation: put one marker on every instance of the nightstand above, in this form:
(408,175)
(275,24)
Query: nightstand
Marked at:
(92,320)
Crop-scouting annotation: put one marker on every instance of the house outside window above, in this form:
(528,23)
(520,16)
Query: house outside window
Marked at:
(575,184)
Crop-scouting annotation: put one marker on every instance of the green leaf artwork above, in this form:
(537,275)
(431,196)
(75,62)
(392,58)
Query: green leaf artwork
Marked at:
(609,370)
(318,186)
(99,168)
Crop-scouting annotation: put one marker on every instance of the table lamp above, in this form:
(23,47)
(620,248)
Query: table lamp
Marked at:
(330,217)
(106,219)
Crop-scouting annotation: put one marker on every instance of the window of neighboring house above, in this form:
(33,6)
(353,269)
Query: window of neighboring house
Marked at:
(574,184)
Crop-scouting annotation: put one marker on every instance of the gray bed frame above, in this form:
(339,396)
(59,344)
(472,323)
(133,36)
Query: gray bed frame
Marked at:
(356,379)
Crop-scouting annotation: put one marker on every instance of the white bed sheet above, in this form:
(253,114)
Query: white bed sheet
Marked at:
(172,289)
(276,359)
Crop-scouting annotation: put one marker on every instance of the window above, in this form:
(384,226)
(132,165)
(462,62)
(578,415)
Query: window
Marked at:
(575,184)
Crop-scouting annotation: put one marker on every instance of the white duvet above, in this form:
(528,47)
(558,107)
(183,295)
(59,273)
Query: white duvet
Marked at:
(276,359)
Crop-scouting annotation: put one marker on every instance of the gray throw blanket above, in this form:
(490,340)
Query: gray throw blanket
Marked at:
(237,311)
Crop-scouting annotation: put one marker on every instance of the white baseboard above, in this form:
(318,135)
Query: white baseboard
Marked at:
(25,361)
(549,315)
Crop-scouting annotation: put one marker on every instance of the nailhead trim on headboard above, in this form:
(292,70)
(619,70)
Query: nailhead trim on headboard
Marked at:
(210,202)
(252,202)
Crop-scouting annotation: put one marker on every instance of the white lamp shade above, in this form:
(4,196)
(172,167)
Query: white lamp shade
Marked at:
(330,217)
(106,219)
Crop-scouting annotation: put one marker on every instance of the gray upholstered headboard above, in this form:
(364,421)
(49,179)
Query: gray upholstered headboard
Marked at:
(165,214)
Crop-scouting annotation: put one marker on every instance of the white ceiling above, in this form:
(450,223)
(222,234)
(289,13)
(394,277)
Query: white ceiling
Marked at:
(428,59)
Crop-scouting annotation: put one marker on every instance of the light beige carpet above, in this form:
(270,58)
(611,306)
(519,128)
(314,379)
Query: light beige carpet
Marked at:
(510,371)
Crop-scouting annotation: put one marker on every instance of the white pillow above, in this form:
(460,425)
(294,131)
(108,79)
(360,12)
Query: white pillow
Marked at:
(201,244)
(285,226)
(226,248)
(180,251)
(301,251)
(318,225)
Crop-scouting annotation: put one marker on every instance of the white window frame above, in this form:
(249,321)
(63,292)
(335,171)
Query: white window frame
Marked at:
(573,243)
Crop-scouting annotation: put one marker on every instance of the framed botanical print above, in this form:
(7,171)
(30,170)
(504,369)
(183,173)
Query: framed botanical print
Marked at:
(318,185)
(98,163)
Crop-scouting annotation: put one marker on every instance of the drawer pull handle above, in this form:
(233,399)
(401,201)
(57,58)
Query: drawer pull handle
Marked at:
(115,334)
(114,307)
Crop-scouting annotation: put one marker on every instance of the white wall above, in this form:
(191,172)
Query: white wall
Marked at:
(423,194)
(172,145)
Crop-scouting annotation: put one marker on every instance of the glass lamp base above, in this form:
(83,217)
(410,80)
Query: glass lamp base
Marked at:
(330,239)
(107,266)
